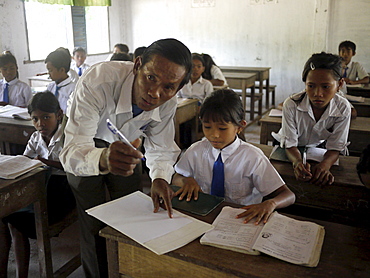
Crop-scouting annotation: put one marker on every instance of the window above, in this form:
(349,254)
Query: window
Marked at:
(53,26)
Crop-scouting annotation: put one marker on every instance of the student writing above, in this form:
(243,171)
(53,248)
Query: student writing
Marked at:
(248,175)
(12,90)
(315,115)
(45,145)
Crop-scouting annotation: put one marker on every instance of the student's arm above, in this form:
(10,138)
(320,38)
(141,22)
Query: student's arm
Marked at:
(321,174)
(217,82)
(51,163)
(364,80)
(189,187)
(302,172)
(280,198)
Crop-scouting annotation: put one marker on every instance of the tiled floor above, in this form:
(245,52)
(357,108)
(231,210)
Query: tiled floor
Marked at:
(66,245)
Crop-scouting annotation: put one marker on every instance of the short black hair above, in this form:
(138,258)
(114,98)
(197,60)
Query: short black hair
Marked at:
(122,47)
(120,57)
(196,56)
(44,101)
(79,49)
(323,61)
(139,51)
(6,59)
(173,50)
(59,59)
(223,105)
(347,44)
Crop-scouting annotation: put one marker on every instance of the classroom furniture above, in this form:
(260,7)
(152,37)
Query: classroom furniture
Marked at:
(263,74)
(346,201)
(243,80)
(362,108)
(19,193)
(14,131)
(362,91)
(345,253)
(359,132)
(42,80)
(187,110)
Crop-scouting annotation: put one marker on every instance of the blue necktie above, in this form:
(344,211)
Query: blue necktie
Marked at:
(79,71)
(345,72)
(57,91)
(6,93)
(218,178)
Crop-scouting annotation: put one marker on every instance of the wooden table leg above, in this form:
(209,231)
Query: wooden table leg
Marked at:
(263,133)
(113,260)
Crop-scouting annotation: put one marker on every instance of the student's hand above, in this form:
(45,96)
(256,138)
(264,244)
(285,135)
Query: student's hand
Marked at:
(189,189)
(321,175)
(302,172)
(162,194)
(260,211)
(348,81)
(120,159)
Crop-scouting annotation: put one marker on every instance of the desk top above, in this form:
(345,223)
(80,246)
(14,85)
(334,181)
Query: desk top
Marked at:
(17,122)
(245,69)
(44,77)
(239,75)
(345,253)
(186,101)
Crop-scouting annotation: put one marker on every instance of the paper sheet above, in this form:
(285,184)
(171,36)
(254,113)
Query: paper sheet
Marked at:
(133,216)
(8,111)
(13,166)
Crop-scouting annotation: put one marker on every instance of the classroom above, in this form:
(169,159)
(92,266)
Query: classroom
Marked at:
(276,34)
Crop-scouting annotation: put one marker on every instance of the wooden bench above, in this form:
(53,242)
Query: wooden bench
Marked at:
(271,89)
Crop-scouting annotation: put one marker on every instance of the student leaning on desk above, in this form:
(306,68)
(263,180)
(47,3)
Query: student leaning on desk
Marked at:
(316,114)
(225,166)
(138,98)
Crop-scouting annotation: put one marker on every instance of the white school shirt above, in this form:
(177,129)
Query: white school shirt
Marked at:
(37,146)
(201,89)
(74,67)
(19,92)
(217,74)
(299,127)
(356,71)
(249,175)
(66,87)
(105,91)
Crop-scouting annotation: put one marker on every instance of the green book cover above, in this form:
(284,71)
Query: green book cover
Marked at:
(204,205)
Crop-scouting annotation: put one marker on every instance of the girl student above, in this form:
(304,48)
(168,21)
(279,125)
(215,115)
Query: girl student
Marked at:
(316,115)
(248,175)
(45,145)
(212,72)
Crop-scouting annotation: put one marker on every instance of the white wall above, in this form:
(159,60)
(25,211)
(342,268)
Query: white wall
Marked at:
(281,35)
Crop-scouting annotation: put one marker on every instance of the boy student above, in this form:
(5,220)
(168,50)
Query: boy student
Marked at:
(138,98)
(58,64)
(197,87)
(12,90)
(352,72)
(79,58)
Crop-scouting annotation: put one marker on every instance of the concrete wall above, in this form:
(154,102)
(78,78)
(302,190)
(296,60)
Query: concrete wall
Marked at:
(281,34)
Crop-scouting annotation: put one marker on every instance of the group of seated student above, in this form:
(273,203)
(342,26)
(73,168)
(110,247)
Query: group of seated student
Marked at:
(139,98)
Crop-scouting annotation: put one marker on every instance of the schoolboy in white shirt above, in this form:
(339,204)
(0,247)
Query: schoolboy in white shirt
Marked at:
(79,57)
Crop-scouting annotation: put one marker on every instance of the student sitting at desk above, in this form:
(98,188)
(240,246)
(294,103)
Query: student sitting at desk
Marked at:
(12,90)
(352,72)
(224,165)
(197,87)
(79,58)
(44,145)
(212,72)
(363,167)
(58,63)
(314,115)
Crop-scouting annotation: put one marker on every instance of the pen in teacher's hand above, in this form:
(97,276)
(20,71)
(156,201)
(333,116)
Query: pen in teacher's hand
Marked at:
(119,134)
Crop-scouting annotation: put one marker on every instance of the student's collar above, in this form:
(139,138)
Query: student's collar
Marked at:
(227,151)
(11,82)
(331,111)
(349,65)
(65,82)
(54,139)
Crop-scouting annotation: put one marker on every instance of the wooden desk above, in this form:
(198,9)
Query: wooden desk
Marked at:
(363,91)
(362,108)
(359,132)
(187,109)
(345,253)
(14,131)
(18,193)
(263,74)
(243,80)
